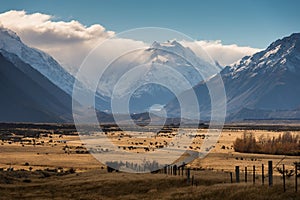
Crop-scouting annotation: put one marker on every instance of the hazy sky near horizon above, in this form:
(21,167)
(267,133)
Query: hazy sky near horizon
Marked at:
(254,23)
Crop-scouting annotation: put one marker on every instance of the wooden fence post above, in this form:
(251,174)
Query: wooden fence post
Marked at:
(231,181)
(253,174)
(262,174)
(182,169)
(296,174)
(188,174)
(270,172)
(237,174)
(192,180)
(283,177)
(246,175)
(175,170)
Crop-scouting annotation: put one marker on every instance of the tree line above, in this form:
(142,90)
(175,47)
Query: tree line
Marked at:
(285,144)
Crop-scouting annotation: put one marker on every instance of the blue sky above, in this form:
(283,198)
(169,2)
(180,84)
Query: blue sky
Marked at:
(254,23)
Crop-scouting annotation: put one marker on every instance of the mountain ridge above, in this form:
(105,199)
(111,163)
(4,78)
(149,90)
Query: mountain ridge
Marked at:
(18,104)
(11,44)
(262,84)
(159,63)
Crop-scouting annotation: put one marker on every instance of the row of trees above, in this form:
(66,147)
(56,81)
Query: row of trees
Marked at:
(286,144)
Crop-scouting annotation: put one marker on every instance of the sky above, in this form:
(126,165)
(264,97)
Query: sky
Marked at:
(254,23)
(226,29)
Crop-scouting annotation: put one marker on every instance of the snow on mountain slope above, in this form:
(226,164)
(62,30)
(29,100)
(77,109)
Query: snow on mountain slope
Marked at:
(153,61)
(39,60)
(268,80)
(11,44)
(183,59)
(275,56)
(262,85)
(171,53)
(28,96)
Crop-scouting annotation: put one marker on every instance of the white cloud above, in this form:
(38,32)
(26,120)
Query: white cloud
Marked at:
(40,28)
(70,42)
(223,54)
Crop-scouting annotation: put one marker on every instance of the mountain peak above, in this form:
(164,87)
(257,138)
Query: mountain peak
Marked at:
(292,39)
(283,54)
(172,47)
(155,44)
(9,40)
(167,44)
(262,86)
(286,45)
(11,44)
(4,32)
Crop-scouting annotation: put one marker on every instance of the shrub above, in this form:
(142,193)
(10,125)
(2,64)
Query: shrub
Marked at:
(26,181)
(71,170)
(285,144)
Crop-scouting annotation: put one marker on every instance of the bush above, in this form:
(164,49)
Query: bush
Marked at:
(26,181)
(287,144)
(71,170)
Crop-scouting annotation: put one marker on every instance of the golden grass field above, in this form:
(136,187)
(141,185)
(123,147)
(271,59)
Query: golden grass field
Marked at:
(91,180)
(98,184)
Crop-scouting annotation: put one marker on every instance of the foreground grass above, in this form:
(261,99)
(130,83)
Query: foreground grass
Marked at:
(230,192)
(98,184)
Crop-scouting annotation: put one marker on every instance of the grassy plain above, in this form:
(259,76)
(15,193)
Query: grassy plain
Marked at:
(41,170)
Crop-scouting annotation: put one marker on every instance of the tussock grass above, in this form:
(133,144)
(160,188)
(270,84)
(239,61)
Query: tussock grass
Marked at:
(98,184)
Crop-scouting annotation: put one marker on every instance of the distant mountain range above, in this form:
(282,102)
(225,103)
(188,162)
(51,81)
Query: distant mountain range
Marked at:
(33,65)
(35,88)
(28,96)
(143,91)
(262,86)
(12,47)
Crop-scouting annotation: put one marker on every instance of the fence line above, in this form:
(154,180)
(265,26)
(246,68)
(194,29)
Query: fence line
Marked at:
(285,173)
(184,171)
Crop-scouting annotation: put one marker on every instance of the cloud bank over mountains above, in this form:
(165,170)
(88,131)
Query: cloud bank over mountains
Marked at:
(226,54)
(70,42)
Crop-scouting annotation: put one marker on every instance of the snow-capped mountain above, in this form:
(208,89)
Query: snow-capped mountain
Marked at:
(267,81)
(42,62)
(264,85)
(11,46)
(183,59)
(171,53)
(186,66)
(28,96)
